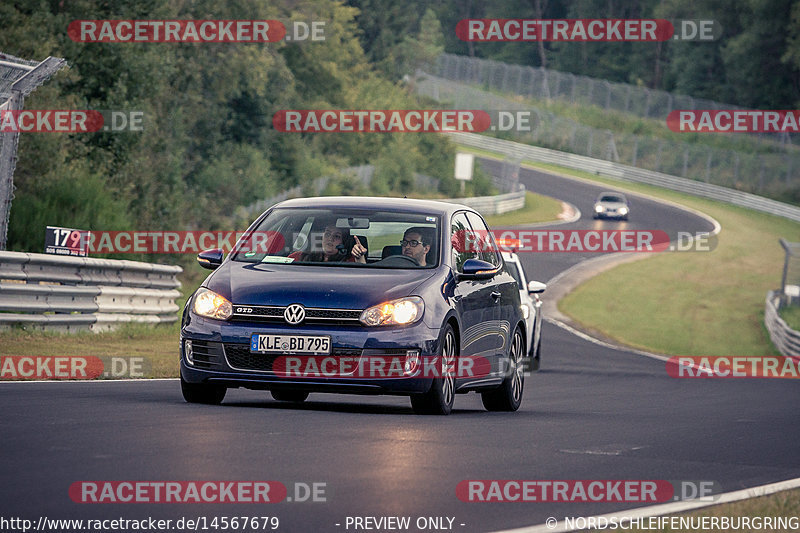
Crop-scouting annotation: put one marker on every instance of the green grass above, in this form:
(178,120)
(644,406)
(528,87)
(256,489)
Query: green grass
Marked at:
(692,303)
(156,345)
(792,316)
(781,504)
(620,122)
(537,208)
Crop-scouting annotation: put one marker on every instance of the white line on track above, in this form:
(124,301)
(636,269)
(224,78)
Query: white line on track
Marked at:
(127,380)
(666,508)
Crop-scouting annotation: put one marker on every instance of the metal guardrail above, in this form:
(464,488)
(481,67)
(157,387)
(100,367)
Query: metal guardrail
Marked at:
(77,293)
(785,339)
(494,205)
(628,173)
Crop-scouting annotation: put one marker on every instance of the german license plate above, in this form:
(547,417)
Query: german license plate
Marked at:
(291,344)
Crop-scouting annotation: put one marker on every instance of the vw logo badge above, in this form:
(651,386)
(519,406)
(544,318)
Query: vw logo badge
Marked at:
(294,314)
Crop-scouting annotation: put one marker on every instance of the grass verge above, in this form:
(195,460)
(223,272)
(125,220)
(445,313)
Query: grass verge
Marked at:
(537,208)
(156,347)
(781,504)
(691,303)
(792,316)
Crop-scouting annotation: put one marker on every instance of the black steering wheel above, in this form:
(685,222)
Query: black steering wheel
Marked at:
(398,260)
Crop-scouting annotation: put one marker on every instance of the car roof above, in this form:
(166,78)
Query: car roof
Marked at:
(376,202)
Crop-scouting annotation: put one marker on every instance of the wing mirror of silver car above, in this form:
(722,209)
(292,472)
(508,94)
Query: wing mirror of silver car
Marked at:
(536,287)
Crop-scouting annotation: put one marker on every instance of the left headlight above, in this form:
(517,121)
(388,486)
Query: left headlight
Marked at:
(396,312)
(209,304)
(599,208)
(623,210)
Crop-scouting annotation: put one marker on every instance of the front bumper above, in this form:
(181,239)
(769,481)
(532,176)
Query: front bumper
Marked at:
(221,354)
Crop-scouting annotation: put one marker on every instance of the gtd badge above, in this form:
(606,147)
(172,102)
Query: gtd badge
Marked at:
(294,314)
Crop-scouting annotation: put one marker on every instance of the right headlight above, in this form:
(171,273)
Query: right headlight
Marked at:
(209,304)
(598,208)
(395,312)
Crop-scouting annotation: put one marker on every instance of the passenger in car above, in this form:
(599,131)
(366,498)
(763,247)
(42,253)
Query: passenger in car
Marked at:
(416,243)
(337,245)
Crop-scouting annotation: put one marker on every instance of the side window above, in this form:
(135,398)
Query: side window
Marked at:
(485,245)
(462,240)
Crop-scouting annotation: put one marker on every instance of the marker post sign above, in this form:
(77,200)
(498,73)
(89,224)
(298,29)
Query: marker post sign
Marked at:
(66,241)
(464,165)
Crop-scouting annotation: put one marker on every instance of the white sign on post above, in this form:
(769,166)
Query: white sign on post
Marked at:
(464,164)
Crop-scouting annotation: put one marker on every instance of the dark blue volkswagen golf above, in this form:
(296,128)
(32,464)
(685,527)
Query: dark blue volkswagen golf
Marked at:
(358,295)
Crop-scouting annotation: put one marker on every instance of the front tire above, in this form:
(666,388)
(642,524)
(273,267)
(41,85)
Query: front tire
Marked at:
(439,399)
(508,396)
(202,393)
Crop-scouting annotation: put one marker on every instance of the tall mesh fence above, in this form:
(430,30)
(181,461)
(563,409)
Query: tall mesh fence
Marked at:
(770,174)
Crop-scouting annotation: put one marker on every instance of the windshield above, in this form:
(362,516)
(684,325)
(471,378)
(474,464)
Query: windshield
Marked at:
(343,237)
(609,198)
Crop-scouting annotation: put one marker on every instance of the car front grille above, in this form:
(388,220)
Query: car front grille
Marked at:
(240,358)
(314,315)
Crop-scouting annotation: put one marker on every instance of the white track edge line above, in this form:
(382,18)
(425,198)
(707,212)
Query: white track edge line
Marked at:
(668,508)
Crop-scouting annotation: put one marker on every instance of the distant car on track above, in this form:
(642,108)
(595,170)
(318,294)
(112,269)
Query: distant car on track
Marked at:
(612,205)
(531,307)
(349,279)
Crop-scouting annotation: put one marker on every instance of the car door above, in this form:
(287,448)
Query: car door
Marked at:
(502,288)
(473,298)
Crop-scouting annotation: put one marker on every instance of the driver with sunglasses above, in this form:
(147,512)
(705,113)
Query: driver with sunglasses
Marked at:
(416,243)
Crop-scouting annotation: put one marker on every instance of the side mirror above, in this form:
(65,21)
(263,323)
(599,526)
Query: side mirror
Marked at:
(210,259)
(477,269)
(536,287)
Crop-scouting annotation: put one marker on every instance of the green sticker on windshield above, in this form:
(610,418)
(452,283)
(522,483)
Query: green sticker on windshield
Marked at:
(277,259)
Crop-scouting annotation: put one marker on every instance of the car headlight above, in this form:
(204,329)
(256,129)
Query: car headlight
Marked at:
(209,304)
(623,210)
(396,312)
(598,208)
(526,311)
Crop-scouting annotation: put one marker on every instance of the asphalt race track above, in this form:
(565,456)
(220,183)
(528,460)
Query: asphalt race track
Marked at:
(591,413)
